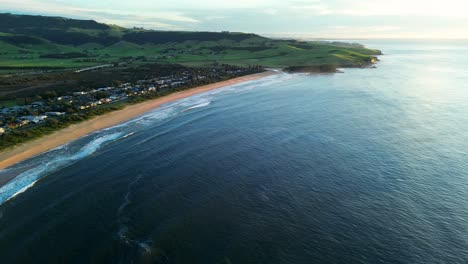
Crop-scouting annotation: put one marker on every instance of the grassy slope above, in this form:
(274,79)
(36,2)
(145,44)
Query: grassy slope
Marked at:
(107,44)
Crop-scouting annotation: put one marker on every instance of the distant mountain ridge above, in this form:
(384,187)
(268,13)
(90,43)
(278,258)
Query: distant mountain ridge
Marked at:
(68,31)
(11,22)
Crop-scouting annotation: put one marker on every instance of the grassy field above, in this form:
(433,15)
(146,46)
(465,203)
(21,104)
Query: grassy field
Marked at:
(29,42)
(280,54)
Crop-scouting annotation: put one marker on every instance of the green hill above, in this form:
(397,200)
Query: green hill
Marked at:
(59,43)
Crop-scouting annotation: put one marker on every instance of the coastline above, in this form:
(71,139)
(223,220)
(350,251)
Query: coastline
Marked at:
(61,137)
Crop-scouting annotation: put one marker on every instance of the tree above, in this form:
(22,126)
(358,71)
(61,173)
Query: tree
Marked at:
(100,95)
(117,82)
(52,121)
(49,94)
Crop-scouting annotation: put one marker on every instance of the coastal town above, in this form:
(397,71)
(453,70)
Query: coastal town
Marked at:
(80,103)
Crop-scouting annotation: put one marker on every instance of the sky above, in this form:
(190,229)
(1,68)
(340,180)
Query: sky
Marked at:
(337,19)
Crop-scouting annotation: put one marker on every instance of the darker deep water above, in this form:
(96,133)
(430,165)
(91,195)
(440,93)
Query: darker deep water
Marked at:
(369,166)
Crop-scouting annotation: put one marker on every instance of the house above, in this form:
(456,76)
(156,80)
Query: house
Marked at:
(24,122)
(13,109)
(55,113)
(65,99)
(105,101)
(95,103)
(174,84)
(37,104)
(6,111)
(34,119)
(18,123)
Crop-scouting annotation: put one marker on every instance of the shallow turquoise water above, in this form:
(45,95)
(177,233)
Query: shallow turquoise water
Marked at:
(369,166)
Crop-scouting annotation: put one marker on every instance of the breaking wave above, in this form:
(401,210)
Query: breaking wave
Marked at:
(197,106)
(27,179)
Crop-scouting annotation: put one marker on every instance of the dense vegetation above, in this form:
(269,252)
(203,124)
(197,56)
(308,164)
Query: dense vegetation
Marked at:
(32,42)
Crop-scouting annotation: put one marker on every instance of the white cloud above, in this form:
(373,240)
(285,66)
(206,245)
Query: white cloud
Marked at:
(447,8)
(151,19)
(325,18)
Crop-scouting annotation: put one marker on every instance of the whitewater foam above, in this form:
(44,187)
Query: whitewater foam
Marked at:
(27,179)
(22,190)
(128,135)
(197,106)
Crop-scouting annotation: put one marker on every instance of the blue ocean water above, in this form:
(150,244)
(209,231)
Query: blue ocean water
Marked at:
(368,166)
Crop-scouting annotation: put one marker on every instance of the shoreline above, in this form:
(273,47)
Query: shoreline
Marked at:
(63,136)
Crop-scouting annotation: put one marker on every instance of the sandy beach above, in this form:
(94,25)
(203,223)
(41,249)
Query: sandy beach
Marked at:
(30,149)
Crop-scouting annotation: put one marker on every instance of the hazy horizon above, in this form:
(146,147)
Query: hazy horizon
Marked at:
(336,19)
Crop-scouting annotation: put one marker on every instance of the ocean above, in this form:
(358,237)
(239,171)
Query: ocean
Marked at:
(365,166)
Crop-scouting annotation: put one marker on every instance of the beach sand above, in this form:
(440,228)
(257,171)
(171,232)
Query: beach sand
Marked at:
(33,148)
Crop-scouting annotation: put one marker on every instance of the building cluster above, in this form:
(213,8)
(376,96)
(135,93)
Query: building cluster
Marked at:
(38,112)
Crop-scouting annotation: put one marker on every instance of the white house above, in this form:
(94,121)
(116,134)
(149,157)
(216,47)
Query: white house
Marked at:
(55,113)
(34,119)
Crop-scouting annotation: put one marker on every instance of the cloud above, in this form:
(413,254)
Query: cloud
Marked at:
(325,18)
(150,19)
(216,4)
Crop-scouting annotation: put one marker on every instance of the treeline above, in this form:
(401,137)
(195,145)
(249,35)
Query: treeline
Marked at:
(68,55)
(162,37)
(223,48)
